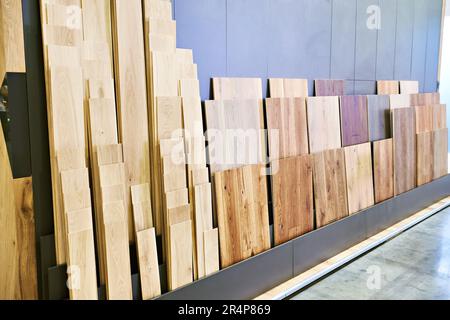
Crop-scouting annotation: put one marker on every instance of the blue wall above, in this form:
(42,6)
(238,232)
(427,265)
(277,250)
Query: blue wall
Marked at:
(312,39)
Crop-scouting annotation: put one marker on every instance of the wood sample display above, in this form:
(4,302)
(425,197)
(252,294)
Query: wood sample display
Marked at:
(292,197)
(26,240)
(440,153)
(439,116)
(425,158)
(424,119)
(409,87)
(404,134)
(354,120)
(242,212)
(324,128)
(330,187)
(288,127)
(237,138)
(211,251)
(425,99)
(180,250)
(383,170)
(379,117)
(148,264)
(288,88)
(358,163)
(326,88)
(400,101)
(237,88)
(385,87)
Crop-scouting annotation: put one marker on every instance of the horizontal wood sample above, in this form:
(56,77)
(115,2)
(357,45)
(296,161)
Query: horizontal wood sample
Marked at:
(379,117)
(292,192)
(388,87)
(383,170)
(409,87)
(400,101)
(326,88)
(425,99)
(288,88)
(237,88)
(354,120)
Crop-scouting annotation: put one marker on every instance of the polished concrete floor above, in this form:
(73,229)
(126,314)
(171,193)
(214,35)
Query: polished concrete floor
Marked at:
(415,265)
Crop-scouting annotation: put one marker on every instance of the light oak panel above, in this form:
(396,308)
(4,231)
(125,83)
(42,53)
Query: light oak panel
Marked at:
(388,87)
(383,170)
(288,88)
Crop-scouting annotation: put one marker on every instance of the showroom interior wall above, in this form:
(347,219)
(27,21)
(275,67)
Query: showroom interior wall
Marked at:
(313,39)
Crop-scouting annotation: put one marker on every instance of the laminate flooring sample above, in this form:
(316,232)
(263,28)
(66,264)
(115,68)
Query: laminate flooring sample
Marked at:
(237,88)
(379,114)
(409,87)
(242,212)
(388,87)
(324,127)
(404,134)
(440,151)
(425,158)
(292,192)
(288,127)
(330,187)
(383,170)
(325,88)
(354,120)
(288,88)
(358,163)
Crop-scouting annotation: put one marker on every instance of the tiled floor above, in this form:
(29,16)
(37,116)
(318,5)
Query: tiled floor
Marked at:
(414,265)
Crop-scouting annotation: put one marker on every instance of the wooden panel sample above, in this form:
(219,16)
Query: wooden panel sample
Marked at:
(242,211)
(148,264)
(440,153)
(237,88)
(287,117)
(192,116)
(102,122)
(292,197)
(383,170)
(168,117)
(234,133)
(26,240)
(354,120)
(425,158)
(385,87)
(439,117)
(425,99)
(211,251)
(63,36)
(142,210)
(379,117)
(400,101)
(404,134)
(323,123)
(8,238)
(326,88)
(424,119)
(358,164)
(131,91)
(101,88)
(157,9)
(180,262)
(288,88)
(409,87)
(330,187)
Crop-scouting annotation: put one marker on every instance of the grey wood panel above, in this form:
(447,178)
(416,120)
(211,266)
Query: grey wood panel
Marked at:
(419,42)
(343,39)
(404,38)
(433,45)
(386,40)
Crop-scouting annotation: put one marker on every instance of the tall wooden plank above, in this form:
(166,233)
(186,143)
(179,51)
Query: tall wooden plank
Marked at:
(404,134)
(292,197)
(440,153)
(358,164)
(425,158)
(324,129)
(181,272)
(354,120)
(330,187)
(211,251)
(288,88)
(387,87)
(379,117)
(148,264)
(383,170)
(326,88)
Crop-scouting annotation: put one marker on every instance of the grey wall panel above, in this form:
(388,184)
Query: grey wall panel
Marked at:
(404,38)
(366,42)
(349,87)
(247,38)
(202,27)
(419,42)
(433,45)
(343,39)
(365,87)
(286,39)
(386,40)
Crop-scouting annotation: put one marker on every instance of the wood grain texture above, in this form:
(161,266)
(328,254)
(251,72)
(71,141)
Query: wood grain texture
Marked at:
(387,87)
(131,91)
(288,127)
(324,129)
(292,198)
(400,101)
(358,164)
(439,117)
(26,239)
(180,262)
(425,158)
(383,170)
(326,88)
(237,88)
(211,251)
(242,211)
(142,210)
(404,134)
(354,120)
(148,264)
(288,88)
(379,117)
(425,99)
(330,187)
(8,235)
(440,153)
(424,119)
(409,87)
